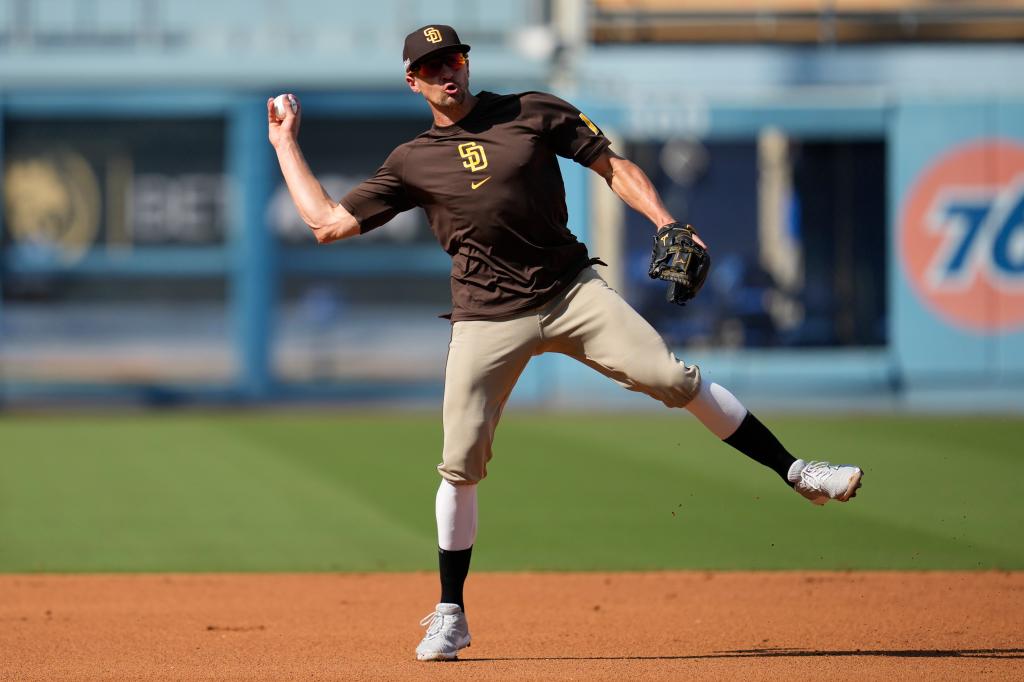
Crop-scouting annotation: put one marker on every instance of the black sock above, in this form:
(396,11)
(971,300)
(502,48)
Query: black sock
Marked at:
(754,440)
(454,566)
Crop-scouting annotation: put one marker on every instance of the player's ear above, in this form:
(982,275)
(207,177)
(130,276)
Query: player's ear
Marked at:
(411,82)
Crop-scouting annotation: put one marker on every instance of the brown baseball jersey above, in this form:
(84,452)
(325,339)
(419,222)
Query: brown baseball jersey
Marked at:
(493,193)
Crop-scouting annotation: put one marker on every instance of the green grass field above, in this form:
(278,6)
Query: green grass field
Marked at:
(284,491)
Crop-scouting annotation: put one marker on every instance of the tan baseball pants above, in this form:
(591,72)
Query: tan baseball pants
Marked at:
(588,321)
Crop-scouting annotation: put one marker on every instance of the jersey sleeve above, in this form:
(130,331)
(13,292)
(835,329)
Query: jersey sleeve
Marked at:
(567,130)
(377,200)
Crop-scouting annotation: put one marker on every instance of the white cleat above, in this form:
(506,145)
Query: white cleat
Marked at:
(820,482)
(447,634)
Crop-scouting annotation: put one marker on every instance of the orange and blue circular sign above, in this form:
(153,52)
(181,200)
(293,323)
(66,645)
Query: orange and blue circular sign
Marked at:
(961,239)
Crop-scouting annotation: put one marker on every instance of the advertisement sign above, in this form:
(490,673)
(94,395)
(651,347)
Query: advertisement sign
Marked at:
(961,236)
(72,185)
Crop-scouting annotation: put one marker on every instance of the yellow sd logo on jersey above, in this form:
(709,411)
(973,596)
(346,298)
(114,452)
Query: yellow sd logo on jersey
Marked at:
(474,157)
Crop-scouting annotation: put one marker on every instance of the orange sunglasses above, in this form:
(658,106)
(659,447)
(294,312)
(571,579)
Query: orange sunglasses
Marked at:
(430,68)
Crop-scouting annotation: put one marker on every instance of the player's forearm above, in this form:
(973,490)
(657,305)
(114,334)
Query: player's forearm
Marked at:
(328,220)
(634,187)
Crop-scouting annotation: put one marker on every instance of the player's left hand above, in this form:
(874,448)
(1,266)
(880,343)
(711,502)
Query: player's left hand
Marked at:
(681,258)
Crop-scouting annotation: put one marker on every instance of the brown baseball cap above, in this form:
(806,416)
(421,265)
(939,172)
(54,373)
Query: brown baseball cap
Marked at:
(429,40)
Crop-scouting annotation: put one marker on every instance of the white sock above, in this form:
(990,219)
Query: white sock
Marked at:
(455,507)
(717,409)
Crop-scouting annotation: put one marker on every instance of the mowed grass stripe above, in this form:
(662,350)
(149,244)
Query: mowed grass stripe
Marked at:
(269,491)
(182,494)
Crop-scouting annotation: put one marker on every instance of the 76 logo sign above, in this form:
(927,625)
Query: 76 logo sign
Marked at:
(984,235)
(961,236)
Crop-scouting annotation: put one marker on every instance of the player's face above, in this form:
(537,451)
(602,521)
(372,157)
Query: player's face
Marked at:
(442,80)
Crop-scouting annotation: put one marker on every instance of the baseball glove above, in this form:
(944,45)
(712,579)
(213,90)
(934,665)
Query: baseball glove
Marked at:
(679,260)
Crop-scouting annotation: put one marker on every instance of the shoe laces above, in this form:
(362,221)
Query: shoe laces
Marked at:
(433,622)
(816,473)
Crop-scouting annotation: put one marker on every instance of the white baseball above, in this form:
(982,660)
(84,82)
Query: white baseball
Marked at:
(279,104)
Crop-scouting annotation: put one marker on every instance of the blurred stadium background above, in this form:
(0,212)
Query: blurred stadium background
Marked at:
(857,167)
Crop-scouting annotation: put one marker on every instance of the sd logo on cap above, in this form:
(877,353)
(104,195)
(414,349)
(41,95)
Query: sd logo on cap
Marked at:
(428,40)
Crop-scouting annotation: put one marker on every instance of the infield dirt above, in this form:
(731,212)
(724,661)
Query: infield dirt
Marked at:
(544,626)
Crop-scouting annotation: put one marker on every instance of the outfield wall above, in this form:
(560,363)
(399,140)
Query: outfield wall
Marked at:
(202,284)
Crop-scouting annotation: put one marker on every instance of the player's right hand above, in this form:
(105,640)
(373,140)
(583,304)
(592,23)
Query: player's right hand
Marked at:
(287,129)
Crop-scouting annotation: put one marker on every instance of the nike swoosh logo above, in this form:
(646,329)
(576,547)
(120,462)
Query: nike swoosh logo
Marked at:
(474,185)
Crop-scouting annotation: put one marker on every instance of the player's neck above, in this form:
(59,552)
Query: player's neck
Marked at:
(446,116)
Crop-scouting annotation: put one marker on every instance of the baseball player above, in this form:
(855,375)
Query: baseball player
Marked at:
(487,177)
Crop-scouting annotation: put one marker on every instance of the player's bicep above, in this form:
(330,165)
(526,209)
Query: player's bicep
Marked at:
(567,130)
(342,226)
(371,215)
(603,165)
(377,200)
